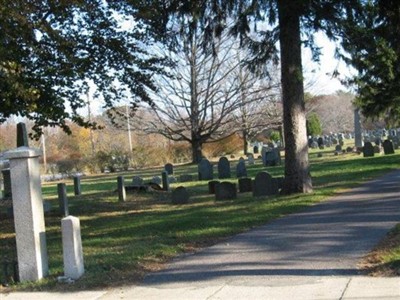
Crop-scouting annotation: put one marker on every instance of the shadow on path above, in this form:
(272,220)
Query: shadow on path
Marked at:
(328,239)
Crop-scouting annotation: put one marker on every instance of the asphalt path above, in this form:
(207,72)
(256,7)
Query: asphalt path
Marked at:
(313,254)
(327,239)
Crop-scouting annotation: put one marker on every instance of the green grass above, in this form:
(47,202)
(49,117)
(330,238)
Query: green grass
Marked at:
(122,241)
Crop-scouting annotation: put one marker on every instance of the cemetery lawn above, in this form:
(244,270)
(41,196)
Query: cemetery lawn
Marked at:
(122,241)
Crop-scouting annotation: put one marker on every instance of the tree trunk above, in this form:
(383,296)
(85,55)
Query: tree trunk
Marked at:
(245,142)
(197,153)
(297,175)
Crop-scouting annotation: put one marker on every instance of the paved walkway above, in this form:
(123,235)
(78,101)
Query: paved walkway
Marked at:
(309,255)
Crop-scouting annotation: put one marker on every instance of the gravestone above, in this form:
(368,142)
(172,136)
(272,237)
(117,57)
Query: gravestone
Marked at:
(169,168)
(205,170)
(62,199)
(22,135)
(224,168)
(72,247)
(241,170)
(225,191)
(137,181)
(121,189)
(388,147)
(245,185)
(338,148)
(165,182)
(320,141)
(156,179)
(180,195)
(264,185)
(212,186)
(185,177)
(314,145)
(172,179)
(255,149)
(377,149)
(272,157)
(77,185)
(28,214)
(250,159)
(368,150)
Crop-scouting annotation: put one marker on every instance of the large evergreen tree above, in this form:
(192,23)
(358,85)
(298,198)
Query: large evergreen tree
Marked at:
(372,39)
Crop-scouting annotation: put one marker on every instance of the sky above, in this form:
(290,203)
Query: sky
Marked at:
(325,83)
(319,74)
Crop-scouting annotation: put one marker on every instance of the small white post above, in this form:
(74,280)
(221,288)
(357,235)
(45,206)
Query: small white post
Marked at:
(28,213)
(72,247)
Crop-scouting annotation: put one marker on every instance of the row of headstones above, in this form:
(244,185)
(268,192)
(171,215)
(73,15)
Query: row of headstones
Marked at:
(262,185)
(369,150)
(327,141)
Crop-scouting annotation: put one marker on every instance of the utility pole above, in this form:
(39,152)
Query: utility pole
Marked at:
(90,119)
(129,128)
(44,153)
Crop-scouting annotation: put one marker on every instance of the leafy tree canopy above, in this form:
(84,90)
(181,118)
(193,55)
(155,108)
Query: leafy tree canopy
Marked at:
(51,50)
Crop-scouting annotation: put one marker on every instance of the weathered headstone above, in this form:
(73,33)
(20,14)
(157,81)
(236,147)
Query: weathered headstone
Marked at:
(320,141)
(28,213)
(314,145)
(205,170)
(388,147)
(169,168)
(121,189)
(137,181)
(224,168)
(225,191)
(241,170)
(245,185)
(272,157)
(368,150)
(250,159)
(185,177)
(22,135)
(62,199)
(77,185)
(377,149)
(378,141)
(156,179)
(172,179)
(72,247)
(165,181)
(180,195)
(212,185)
(264,185)
(338,148)
(255,149)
